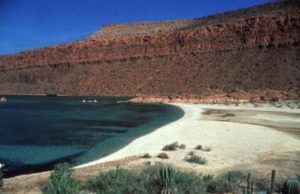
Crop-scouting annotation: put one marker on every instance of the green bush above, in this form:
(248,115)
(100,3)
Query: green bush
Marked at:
(151,179)
(191,183)
(119,181)
(61,181)
(233,181)
(148,181)
(192,158)
(219,186)
(236,178)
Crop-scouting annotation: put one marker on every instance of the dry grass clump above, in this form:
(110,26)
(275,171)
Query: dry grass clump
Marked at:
(205,149)
(163,155)
(198,147)
(192,158)
(173,146)
(146,156)
(182,146)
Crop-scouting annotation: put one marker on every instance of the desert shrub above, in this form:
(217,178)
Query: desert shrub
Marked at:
(236,178)
(163,155)
(235,181)
(198,147)
(1,179)
(171,147)
(151,180)
(182,182)
(219,186)
(61,181)
(119,181)
(192,158)
(146,156)
(191,183)
(182,146)
(206,149)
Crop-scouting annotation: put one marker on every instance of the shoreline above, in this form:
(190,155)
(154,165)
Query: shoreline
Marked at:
(234,146)
(222,137)
(258,150)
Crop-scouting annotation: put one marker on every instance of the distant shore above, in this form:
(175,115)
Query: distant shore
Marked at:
(222,98)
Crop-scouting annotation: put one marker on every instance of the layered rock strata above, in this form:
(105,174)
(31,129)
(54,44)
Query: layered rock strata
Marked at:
(251,53)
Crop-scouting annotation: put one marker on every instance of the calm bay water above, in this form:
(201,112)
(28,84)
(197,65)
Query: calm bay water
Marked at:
(38,132)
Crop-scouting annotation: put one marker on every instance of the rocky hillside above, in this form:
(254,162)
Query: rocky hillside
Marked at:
(250,53)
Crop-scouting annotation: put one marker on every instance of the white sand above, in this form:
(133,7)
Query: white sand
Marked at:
(231,143)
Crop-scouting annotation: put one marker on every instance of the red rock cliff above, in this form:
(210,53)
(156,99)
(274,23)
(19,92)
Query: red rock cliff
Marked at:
(255,50)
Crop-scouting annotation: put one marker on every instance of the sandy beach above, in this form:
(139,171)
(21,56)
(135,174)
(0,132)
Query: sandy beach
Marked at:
(250,136)
(247,137)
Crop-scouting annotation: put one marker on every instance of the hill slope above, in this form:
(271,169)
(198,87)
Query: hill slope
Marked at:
(251,53)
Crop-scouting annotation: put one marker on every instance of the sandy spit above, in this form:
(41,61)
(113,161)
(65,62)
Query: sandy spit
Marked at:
(232,144)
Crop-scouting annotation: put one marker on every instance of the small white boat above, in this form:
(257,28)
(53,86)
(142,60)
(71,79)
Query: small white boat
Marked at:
(3,99)
(1,165)
(89,101)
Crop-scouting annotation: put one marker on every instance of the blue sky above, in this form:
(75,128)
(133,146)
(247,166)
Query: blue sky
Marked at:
(26,24)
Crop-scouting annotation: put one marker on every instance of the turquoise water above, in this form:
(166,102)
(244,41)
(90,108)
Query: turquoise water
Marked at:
(38,132)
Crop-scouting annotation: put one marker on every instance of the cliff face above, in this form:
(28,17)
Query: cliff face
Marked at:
(248,51)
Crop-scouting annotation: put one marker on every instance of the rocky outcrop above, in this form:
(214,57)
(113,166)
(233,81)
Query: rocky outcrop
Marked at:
(237,53)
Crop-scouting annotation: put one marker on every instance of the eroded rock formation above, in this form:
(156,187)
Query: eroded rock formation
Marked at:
(244,52)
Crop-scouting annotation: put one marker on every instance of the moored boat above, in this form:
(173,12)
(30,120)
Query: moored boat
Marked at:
(3,99)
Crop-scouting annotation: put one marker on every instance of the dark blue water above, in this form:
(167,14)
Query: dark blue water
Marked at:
(38,132)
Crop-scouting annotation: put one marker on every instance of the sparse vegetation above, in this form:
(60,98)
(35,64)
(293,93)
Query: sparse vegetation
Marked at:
(200,147)
(206,149)
(192,158)
(146,155)
(61,181)
(154,179)
(236,178)
(118,181)
(182,146)
(164,179)
(232,182)
(163,155)
(171,147)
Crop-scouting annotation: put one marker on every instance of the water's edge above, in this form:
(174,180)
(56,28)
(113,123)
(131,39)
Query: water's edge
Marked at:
(101,149)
